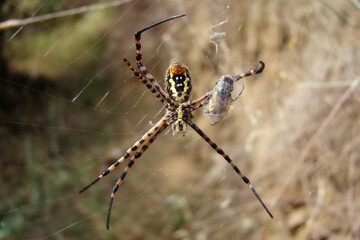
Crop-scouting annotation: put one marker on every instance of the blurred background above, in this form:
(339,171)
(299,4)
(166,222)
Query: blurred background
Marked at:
(69,107)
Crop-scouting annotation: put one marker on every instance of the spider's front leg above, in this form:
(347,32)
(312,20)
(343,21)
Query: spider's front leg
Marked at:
(136,156)
(228,159)
(128,153)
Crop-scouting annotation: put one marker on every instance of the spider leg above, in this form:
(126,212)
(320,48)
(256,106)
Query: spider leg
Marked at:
(205,98)
(149,86)
(199,102)
(151,78)
(228,159)
(137,155)
(158,23)
(251,72)
(131,150)
(141,66)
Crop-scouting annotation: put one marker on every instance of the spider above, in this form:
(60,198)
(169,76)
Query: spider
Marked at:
(218,103)
(179,108)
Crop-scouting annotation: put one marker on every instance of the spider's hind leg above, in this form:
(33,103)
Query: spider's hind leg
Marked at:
(153,88)
(139,62)
(254,71)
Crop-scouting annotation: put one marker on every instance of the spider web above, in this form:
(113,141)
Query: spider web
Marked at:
(70,107)
(57,103)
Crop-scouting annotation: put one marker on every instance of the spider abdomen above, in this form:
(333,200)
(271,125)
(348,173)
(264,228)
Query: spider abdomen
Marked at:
(178,82)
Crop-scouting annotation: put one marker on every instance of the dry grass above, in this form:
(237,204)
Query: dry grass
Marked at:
(294,132)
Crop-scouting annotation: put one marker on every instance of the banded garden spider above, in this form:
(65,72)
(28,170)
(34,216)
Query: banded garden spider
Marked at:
(179,114)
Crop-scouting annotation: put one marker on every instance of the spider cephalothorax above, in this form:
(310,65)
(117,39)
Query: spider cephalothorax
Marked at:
(178,115)
(178,82)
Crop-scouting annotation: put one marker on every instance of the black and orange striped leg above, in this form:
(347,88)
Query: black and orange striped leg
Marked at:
(232,164)
(139,63)
(151,78)
(158,95)
(199,102)
(137,155)
(251,72)
(130,151)
(138,34)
